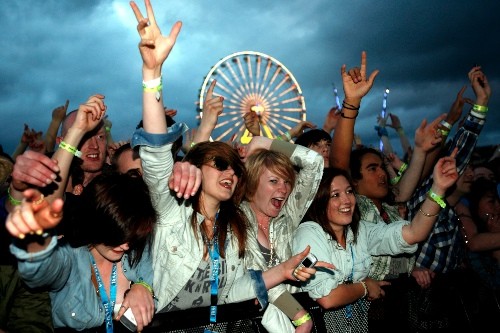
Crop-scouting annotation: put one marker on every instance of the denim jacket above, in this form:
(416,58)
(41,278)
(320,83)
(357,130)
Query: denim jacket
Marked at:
(67,271)
(177,253)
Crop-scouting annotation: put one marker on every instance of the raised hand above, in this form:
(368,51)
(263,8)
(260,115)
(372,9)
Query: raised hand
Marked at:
(34,215)
(445,173)
(331,120)
(212,108)
(90,113)
(456,108)
(356,83)
(395,122)
(252,122)
(427,136)
(60,112)
(480,85)
(300,127)
(154,47)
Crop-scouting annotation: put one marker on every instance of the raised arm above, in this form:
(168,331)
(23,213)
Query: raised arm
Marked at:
(212,108)
(396,124)
(356,86)
(89,115)
(427,137)
(445,175)
(154,49)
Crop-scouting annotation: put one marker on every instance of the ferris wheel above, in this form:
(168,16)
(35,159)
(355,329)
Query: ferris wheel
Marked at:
(254,81)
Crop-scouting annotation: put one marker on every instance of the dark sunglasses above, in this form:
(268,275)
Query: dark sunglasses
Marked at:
(222,165)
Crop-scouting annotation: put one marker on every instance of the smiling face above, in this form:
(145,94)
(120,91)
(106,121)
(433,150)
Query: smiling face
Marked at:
(271,194)
(341,204)
(93,148)
(219,179)
(373,182)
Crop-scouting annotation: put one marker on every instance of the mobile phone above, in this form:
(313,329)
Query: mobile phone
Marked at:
(128,320)
(308,261)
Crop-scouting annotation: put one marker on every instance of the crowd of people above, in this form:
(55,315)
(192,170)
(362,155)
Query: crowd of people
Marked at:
(101,234)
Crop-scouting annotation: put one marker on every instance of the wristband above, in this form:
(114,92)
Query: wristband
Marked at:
(443,132)
(436,198)
(480,108)
(480,115)
(402,169)
(446,124)
(154,86)
(395,180)
(302,319)
(288,135)
(71,149)
(147,286)
(13,200)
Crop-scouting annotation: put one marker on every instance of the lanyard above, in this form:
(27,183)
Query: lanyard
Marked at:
(348,308)
(108,303)
(214,277)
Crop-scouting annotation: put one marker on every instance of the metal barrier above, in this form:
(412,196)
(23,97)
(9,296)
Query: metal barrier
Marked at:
(242,317)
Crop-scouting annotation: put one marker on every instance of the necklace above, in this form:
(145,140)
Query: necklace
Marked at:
(210,242)
(273,257)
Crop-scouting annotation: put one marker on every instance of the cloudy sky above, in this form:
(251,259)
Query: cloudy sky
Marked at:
(57,50)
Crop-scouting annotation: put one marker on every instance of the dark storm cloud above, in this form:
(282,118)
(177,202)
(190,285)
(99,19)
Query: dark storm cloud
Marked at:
(58,50)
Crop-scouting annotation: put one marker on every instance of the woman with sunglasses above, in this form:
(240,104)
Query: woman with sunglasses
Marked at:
(200,238)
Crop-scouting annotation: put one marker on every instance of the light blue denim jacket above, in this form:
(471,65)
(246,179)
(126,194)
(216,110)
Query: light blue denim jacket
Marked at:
(67,271)
(373,239)
(177,253)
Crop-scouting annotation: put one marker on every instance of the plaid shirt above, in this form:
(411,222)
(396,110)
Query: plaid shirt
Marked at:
(444,248)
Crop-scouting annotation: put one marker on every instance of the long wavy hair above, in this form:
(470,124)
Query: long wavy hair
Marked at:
(230,217)
(318,211)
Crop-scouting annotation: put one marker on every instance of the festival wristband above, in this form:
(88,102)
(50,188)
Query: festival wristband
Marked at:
(436,198)
(480,108)
(302,319)
(13,200)
(71,149)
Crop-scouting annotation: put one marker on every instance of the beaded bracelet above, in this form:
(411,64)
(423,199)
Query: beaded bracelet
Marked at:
(427,214)
(302,319)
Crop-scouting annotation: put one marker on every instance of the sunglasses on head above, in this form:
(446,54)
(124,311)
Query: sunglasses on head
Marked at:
(222,164)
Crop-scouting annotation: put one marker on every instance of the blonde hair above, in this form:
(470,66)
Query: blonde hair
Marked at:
(275,162)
